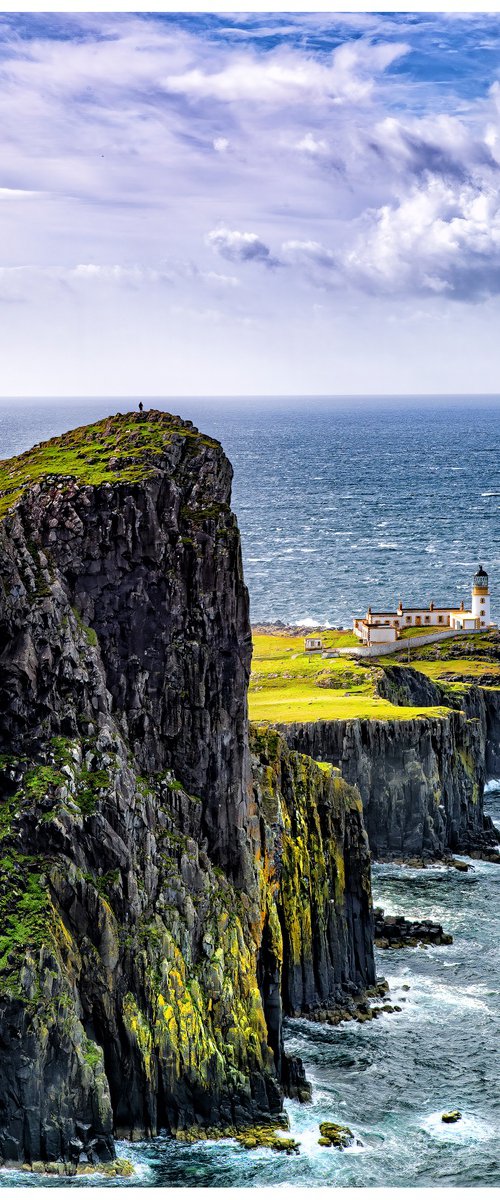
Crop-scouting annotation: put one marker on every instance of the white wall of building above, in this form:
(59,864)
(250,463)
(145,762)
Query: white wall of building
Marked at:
(400,647)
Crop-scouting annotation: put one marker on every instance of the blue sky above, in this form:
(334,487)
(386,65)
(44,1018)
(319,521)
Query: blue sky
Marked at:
(261,203)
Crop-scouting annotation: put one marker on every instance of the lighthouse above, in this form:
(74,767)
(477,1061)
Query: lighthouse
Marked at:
(481,598)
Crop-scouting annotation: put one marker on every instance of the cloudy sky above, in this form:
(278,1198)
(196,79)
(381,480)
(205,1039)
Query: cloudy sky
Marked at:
(270,204)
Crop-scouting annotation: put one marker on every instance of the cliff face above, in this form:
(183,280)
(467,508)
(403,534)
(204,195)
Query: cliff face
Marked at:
(316,864)
(485,702)
(149,931)
(422,780)
(153,568)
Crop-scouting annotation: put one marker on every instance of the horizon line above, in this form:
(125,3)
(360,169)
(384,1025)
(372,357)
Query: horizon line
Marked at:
(258,396)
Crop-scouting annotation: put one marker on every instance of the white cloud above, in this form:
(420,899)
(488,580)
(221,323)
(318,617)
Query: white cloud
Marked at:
(284,76)
(439,238)
(240,247)
(214,279)
(126,138)
(316,262)
(311,144)
(441,144)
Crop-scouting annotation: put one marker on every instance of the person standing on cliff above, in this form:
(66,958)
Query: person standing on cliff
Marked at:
(141,406)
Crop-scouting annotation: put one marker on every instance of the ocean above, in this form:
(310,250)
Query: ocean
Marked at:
(341,505)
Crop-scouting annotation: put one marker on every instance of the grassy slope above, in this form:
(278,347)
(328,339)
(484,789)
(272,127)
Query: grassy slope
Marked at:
(470,656)
(289,685)
(118,449)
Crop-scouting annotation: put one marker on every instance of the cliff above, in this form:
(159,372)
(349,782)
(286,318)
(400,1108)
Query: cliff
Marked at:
(316,864)
(124,530)
(421,780)
(155,912)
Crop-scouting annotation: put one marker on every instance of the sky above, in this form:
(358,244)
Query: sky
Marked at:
(287,204)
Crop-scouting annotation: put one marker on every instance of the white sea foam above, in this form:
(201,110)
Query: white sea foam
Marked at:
(493,785)
(469,1128)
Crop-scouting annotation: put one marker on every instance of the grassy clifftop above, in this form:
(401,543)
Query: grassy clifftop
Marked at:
(122,448)
(288,685)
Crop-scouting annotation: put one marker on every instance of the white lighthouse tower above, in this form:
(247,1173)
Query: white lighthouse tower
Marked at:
(481,598)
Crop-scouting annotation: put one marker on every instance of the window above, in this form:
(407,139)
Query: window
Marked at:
(408,620)
(440,620)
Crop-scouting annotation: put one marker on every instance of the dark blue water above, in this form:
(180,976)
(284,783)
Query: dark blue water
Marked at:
(339,505)
(338,509)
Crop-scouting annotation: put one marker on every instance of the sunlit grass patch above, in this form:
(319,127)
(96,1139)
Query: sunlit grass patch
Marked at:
(288,685)
(117,449)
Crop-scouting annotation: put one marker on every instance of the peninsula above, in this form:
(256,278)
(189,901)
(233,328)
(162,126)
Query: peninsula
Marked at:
(173,881)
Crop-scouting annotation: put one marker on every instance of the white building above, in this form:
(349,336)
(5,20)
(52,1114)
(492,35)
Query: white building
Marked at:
(313,643)
(382,627)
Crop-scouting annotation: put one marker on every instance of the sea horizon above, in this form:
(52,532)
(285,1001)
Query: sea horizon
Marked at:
(339,508)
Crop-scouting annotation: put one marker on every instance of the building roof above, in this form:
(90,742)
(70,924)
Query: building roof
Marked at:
(435,608)
(396,612)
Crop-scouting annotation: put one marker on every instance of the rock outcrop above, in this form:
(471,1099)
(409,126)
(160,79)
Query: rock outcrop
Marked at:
(150,567)
(394,932)
(317,866)
(421,780)
(156,919)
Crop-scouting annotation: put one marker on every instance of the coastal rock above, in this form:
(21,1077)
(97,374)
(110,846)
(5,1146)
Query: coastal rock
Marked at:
(150,571)
(316,861)
(158,911)
(394,932)
(421,780)
(254,1139)
(339,1136)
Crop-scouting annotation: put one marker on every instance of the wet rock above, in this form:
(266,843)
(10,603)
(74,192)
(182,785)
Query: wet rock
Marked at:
(268,1139)
(293,1078)
(339,1136)
(450,1118)
(396,932)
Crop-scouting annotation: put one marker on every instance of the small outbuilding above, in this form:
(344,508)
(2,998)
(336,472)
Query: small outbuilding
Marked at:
(313,644)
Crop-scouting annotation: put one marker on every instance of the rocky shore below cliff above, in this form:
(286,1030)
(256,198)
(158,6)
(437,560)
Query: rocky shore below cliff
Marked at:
(394,932)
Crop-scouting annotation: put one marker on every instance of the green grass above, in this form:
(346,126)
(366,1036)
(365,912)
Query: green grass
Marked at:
(122,448)
(24,913)
(409,631)
(289,685)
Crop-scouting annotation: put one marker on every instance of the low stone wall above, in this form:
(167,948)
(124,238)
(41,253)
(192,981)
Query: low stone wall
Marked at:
(403,644)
